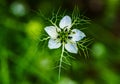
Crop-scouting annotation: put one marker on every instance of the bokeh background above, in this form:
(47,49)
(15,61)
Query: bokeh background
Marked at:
(25,60)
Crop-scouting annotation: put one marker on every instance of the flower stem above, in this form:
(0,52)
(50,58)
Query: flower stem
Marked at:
(60,63)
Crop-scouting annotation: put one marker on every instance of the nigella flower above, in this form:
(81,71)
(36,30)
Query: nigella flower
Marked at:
(64,35)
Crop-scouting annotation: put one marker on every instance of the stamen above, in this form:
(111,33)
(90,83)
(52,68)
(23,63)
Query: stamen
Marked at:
(65,29)
(61,41)
(73,32)
(68,33)
(58,36)
(69,37)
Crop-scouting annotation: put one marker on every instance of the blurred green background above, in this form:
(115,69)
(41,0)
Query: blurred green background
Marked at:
(25,60)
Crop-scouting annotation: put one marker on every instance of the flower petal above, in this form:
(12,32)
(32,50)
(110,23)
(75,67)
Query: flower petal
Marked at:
(52,31)
(53,44)
(77,35)
(65,22)
(71,47)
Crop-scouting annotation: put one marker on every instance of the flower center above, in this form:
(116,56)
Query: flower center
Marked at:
(64,35)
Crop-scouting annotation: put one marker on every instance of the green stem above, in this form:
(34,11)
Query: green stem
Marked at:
(60,64)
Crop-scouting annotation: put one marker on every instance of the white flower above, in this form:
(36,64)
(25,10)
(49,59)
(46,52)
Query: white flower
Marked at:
(64,35)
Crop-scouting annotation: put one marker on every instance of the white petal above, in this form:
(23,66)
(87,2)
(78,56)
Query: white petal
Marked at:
(53,44)
(77,35)
(72,48)
(65,22)
(52,31)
